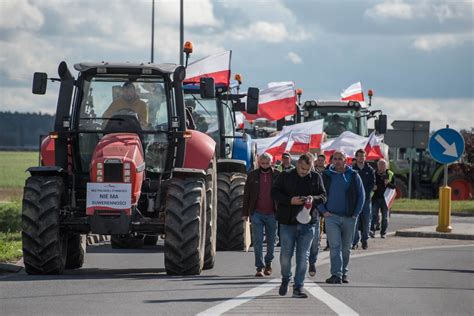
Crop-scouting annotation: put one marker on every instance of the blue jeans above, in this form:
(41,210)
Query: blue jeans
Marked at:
(376,205)
(261,222)
(340,233)
(363,221)
(300,237)
(313,253)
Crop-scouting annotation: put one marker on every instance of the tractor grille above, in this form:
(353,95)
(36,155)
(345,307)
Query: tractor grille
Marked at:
(113,172)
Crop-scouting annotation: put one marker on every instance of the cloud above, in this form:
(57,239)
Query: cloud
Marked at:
(437,41)
(391,9)
(294,58)
(20,14)
(455,112)
(264,31)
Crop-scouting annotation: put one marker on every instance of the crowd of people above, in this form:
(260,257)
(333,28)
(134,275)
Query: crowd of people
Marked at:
(296,204)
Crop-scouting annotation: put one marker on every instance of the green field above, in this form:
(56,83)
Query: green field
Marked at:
(432,206)
(13,166)
(10,247)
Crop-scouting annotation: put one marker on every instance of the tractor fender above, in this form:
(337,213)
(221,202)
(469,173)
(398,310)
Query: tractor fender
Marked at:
(188,173)
(47,151)
(200,149)
(242,150)
(231,165)
(47,171)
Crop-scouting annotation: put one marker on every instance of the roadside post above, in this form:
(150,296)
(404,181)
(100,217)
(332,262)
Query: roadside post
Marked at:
(446,146)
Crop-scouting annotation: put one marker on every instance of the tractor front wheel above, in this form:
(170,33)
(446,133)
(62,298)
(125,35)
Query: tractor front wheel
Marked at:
(230,226)
(211,216)
(185,226)
(461,189)
(76,250)
(401,189)
(44,244)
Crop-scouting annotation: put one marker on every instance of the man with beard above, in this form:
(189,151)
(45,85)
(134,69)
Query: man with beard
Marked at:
(258,204)
(131,102)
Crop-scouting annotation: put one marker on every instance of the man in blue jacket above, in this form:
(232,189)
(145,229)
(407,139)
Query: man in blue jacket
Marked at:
(367,174)
(345,199)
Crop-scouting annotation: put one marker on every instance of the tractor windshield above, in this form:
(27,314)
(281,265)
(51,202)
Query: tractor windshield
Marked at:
(204,113)
(338,120)
(107,99)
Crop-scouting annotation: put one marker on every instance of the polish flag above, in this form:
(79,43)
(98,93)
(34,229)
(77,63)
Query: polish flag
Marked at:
(275,102)
(298,139)
(373,148)
(389,196)
(215,66)
(353,93)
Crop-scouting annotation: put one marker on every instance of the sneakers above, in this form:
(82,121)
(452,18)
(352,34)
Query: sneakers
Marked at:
(259,272)
(382,236)
(299,293)
(334,280)
(268,269)
(365,245)
(345,279)
(312,269)
(372,234)
(283,287)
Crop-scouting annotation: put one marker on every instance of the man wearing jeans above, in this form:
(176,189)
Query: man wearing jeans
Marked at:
(259,205)
(345,200)
(367,174)
(291,190)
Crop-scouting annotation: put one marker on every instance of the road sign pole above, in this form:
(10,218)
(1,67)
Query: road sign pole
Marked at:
(444,215)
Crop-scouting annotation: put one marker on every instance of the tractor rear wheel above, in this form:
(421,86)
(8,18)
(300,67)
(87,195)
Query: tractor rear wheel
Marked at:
(401,189)
(185,226)
(126,241)
(76,250)
(44,244)
(211,216)
(230,226)
(461,189)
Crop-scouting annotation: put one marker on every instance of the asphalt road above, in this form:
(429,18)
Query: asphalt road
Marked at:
(395,276)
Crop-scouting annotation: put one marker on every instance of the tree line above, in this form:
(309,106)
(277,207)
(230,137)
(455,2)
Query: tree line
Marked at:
(22,131)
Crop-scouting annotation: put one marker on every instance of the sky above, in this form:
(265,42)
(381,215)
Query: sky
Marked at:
(417,56)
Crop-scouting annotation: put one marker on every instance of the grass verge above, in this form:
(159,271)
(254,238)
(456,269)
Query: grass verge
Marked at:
(406,205)
(10,247)
(13,166)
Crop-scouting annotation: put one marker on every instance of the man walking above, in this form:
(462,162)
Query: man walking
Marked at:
(285,162)
(383,179)
(367,174)
(291,191)
(344,203)
(258,204)
(319,167)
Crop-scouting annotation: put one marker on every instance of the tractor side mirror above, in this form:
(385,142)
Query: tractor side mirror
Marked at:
(40,80)
(207,88)
(382,124)
(252,100)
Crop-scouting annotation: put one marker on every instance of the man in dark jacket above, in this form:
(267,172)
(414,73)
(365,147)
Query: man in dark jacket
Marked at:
(258,204)
(344,203)
(367,174)
(384,179)
(291,190)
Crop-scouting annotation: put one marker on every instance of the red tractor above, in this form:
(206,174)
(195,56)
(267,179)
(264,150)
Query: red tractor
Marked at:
(121,162)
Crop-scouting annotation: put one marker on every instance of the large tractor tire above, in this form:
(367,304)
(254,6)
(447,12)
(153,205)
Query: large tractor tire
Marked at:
(211,216)
(461,188)
(76,250)
(126,241)
(230,226)
(44,244)
(185,226)
(401,189)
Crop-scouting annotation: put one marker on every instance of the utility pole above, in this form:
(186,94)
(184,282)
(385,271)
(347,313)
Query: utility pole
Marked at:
(152,29)
(181,35)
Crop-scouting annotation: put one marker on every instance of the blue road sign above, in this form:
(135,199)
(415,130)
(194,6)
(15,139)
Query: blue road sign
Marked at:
(446,145)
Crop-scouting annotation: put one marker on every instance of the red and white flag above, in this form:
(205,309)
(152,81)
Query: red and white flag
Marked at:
(349,143)
(389,196)
(353,93)
(215,66)
(298,139)
(275,102)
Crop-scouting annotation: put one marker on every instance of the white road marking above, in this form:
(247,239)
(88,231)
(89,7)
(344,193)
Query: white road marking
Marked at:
(241,299)
(333,303)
